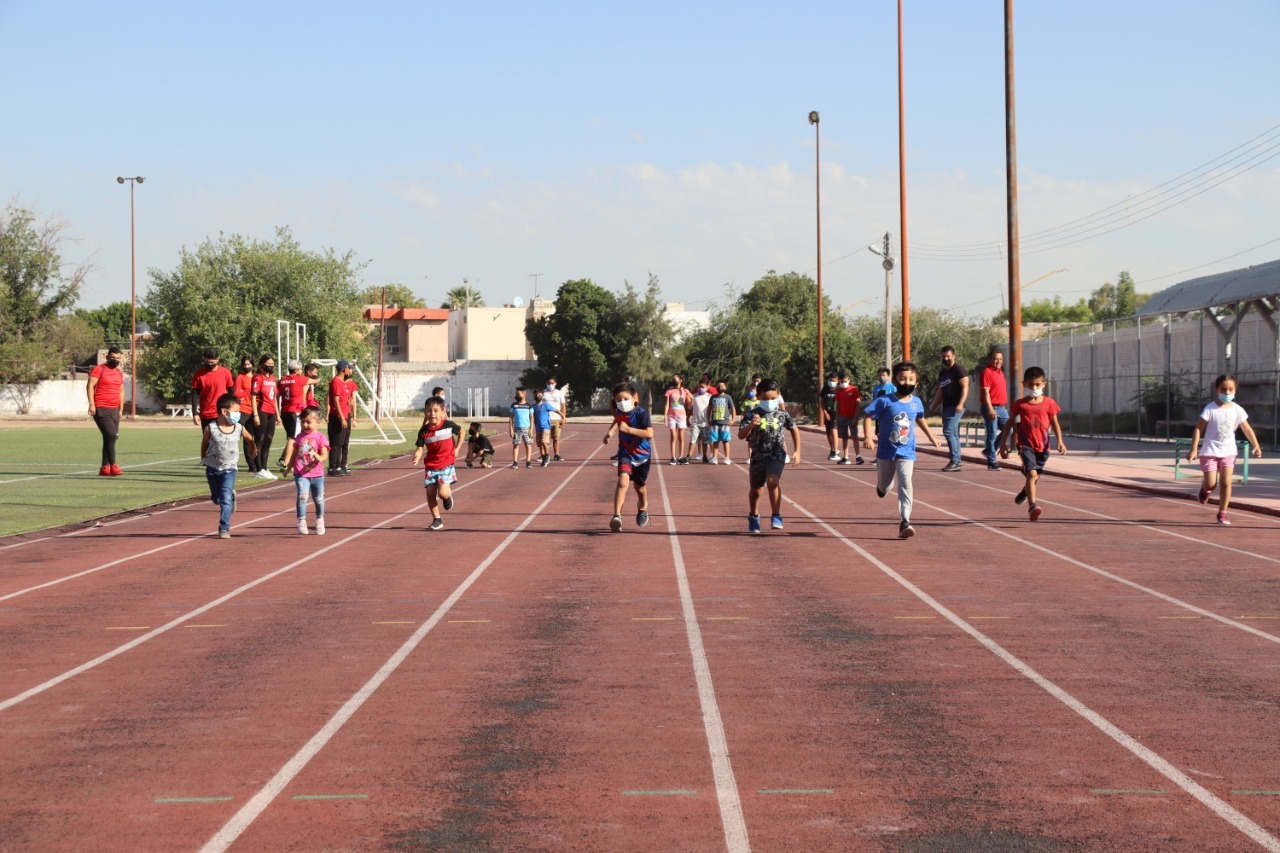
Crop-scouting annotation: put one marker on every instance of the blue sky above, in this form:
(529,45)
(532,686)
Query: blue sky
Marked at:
(603,141)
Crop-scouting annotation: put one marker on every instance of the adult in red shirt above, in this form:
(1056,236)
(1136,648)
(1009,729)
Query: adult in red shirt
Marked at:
(292,390)
(210,382)
(342,417)
(106,403)
(995,399)
(264,414)
(847,398)
(244,393)
(312,372)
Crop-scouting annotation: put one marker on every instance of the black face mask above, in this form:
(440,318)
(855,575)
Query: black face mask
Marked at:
(113,362)
(904,388)
(268,369)
(211,364)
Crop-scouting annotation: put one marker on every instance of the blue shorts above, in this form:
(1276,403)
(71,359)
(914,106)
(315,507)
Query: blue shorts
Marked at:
(441,475)
(1032,460)
(718,433)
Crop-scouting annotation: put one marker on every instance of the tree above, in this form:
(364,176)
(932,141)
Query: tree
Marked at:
(1117,301)
(644,336)
(463,296)
(398,296)
(931,330)
(228,294)
(111,322)
(578,343)
(1045,310)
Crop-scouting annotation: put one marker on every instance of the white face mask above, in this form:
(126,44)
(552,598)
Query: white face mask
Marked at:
(626,406)
(1035,392)
(844,384)
(768,405)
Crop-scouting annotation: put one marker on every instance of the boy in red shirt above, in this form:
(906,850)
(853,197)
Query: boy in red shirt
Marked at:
(1034,414)
(211,381)
(438,441)
(106,404)
(342,418)
(847,399)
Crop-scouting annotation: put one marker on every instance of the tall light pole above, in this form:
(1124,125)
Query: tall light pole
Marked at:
(817,194)
(887,263)
(902,196)
(133,303)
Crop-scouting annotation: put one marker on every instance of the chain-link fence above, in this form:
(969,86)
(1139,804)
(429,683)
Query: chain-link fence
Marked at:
(1152,376)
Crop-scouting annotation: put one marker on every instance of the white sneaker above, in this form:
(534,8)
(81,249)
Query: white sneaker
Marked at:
(728,461)
(302,527)
(715,460)
(270,475)
(320,526)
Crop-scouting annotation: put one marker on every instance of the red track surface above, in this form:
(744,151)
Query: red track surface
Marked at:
(1105,678)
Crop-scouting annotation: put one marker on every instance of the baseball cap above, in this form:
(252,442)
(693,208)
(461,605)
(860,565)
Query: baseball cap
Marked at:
(344,364)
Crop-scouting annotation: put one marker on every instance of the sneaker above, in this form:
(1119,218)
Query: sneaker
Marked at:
(436,524)
(615,523)
(468,464)
(557,458)
(775,522)
(880,492)
(673,461)
(684,460)
(1021,497)
(516,465)
(545,463)
(859,460)
(104,471)
(832,456)
(642,518)
(905,530)
(1033,512)
(951,466)
(224,534)
(1222,518)
(715,460)
(697,458)
(320,526)
(753,524)
(728,461)
(844,460)
(115,470)
(448,503)
(1203,495)
(302,527)
(993,466)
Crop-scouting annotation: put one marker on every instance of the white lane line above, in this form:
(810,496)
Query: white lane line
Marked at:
(189,615)
(1177,602)
(95,470)
(1206,798)
(186,541)
(250,811)
(731,817)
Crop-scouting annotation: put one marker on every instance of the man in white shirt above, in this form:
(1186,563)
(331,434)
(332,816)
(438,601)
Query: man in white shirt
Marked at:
(555,397)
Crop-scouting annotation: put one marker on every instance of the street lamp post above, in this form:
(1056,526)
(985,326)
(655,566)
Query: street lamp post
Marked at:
(133,303)
(817,182)
(887,263)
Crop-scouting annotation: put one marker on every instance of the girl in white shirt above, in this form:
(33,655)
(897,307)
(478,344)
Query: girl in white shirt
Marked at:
(1218,423)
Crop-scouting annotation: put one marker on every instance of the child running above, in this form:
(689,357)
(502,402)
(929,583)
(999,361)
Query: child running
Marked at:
(635,431)
(896,417)
(438,441)
(1035,414)
(1218,424)
(518,427)
(478,447)
(308,454)
(220,453)
(762,427)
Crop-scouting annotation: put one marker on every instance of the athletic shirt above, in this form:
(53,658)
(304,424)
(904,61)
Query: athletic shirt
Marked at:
(440,450)
(223,453)
(635,448)
(109,392)
(212,383)
(521,415)
(264,385)
(293,392)
(895,425)
(1034,422)
(244,391)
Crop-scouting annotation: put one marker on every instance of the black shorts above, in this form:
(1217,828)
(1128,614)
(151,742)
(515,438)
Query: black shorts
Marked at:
(639,473)
(762,471)
(1032,460)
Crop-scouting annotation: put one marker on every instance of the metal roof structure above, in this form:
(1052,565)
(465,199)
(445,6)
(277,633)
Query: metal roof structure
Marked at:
(1259,281)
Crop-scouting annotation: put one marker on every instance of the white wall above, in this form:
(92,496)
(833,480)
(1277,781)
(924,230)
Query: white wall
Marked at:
(62,398)
(406,387)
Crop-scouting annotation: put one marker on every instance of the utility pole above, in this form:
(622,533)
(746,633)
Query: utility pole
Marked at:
(1011,177)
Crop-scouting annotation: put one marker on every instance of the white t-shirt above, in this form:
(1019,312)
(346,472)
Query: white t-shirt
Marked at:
(556,399)
(700,404)
(1220,434)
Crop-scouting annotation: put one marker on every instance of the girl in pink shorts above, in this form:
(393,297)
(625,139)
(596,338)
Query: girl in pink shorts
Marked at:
(1218,424)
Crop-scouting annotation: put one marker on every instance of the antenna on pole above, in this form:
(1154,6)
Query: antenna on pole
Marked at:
(535,276)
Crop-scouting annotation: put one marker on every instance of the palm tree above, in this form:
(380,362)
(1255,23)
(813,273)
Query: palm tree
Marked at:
(463,296)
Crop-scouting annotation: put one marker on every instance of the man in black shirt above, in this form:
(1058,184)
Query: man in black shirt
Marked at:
(953,388)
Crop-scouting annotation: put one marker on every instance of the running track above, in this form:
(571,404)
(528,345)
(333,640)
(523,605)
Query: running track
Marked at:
(524,680)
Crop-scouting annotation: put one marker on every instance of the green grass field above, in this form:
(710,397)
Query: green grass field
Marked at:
(49,472)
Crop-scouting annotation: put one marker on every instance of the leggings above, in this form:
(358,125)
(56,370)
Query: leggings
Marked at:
(262,435)
(108,421)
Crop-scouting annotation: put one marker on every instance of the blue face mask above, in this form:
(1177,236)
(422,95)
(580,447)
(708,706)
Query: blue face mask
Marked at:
(234,417)
(768,405)
(1226,398)
(831,383)
(751,394)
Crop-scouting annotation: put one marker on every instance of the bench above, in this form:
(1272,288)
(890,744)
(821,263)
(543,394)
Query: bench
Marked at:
(1182,445)
(178,410)
(973,432)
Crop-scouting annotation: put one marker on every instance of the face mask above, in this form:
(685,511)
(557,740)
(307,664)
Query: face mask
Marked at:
(625,406)
(1226,398)
(751,395)
(113,362)
(268,369)
(831,384)
(551,386)
(905,388)
(211,364)
(234,417)
(1035,392)
(768,405)
(844,384)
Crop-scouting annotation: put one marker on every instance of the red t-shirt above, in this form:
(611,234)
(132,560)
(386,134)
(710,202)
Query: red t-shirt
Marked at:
(292,388)
(340,391)
(244,390)
(264,388)
(311,393)
(212,383)
(1034,420)
(997,388)
(440,446)
(847,401)
(109,392)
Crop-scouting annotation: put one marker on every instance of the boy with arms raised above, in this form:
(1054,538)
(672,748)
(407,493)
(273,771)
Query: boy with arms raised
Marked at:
(896,417)
(762,427)
(635,432)
(1035,414)
(438,441)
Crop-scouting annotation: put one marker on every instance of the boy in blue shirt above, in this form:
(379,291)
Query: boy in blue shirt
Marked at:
(896,416)
(542,416)
(518,427)
(635,431)
(884,384)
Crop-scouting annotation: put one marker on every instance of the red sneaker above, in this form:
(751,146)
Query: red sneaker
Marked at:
(115,471)
(104,471)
